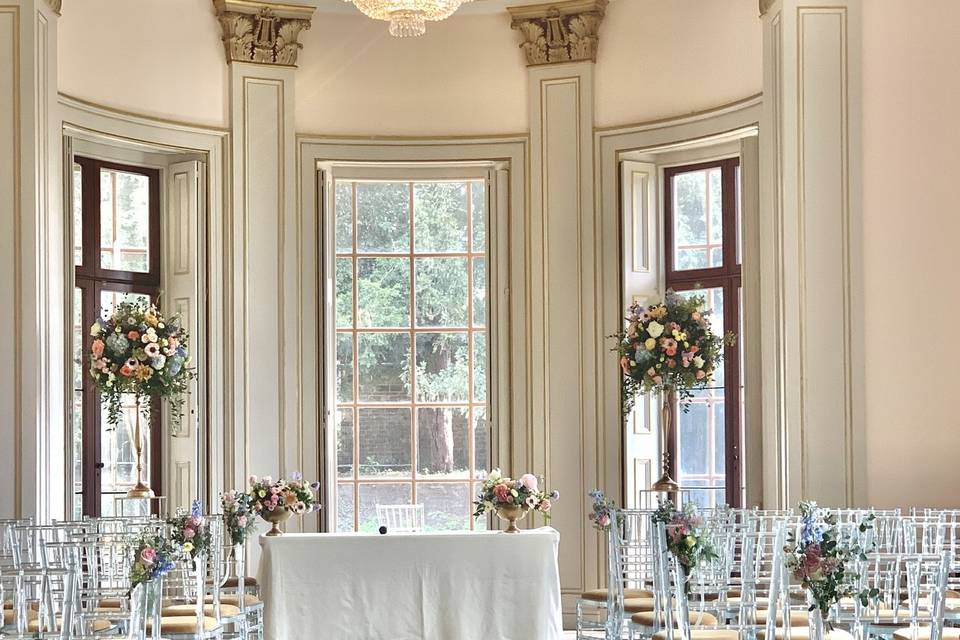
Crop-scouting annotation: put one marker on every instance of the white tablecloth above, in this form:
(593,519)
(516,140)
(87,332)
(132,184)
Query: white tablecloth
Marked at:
(429,586)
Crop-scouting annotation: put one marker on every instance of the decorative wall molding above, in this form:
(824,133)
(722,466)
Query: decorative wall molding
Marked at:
(261,31)
(559,32)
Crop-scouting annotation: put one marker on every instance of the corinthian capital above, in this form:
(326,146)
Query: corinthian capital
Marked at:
(559,31)
(260,31)
(765,6)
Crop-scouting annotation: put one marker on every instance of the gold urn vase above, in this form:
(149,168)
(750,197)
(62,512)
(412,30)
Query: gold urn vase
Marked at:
(275,517)
(510,513)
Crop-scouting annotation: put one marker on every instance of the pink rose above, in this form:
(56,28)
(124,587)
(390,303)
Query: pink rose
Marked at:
(148,555)
(545,505)
(242,521)
(97,348)
(189,533)
(603,521)
(529,481)
(700,374)
(502,493)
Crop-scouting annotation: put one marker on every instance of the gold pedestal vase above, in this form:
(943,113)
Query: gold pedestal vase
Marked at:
(141,489)
(510,513)
(275,518)
(668,406)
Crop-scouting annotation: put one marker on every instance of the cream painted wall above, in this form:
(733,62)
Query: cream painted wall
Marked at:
(910,97)
(665,58)
(160,58)
(466,76)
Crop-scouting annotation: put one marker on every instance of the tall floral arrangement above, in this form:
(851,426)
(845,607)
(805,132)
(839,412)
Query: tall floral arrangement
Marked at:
(238,514)
(295,494)
(190,530)
(669,346)
(818,556)
(135,350)
(499,490)
(686,538)
(604,511)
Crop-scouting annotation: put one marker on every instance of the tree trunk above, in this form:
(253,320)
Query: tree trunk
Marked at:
(436,425)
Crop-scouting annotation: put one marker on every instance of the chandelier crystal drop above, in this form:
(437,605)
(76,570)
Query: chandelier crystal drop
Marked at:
(408,18)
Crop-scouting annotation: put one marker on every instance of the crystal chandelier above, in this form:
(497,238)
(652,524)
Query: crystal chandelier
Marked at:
(408,17)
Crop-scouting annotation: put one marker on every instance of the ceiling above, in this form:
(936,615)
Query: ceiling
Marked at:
(476,7)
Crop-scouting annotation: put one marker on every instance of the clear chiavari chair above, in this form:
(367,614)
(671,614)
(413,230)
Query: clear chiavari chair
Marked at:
(401,518)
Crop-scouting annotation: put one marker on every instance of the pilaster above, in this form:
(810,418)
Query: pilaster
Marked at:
(566,433)
(811,244)
(33,317)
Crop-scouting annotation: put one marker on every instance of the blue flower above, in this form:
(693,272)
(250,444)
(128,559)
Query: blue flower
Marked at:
(196,510)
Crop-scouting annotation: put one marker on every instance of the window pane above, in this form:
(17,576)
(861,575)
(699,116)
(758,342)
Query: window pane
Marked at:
(442,442)
(381,493)
(384,442)
(701,429)
(697,202)
(78,373)
(480,292)
(440,217)
(382,366)
(479,367)
(481,443)
(344,443)
(344,367)
(383,292)
(343,193)
(739,217)
(441,292)
(344,300)
(77,214)
(442,367)
(383,217)
(445,505)
(124,221)
(478,193)
(345,507)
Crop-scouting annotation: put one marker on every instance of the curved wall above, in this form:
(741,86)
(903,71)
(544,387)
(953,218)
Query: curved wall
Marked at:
(160,58)
(466,76)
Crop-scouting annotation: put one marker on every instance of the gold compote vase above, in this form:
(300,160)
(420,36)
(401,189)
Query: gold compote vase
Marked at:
(510,513)
(275,518)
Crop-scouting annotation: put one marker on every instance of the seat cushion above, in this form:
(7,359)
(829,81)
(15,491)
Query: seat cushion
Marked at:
(803,633)
(226,610)
(704,634)
(248,599)
(182,624)
(923,633)
(8,616)
(96,626)
(638,605)
(797,618)
(646,618)
(233,583)
(110,603)
(600,595)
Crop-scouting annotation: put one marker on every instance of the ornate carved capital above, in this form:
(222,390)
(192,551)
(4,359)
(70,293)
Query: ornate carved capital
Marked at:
(765,6)
(559,31)
(263,32)
(55,5)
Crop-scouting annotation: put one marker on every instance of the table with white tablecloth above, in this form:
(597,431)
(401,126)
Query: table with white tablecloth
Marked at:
(425,586)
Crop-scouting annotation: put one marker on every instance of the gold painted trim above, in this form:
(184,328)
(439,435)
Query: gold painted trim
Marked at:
(253,6)
(712,112)
(409,140)
(92,107)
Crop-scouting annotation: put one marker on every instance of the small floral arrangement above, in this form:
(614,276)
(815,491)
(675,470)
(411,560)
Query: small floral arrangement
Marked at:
(669,346)
(604,511)
(153,557)
(238,515)
(191,531)
(136,350)
(685,536)
(818,559)
(295,494)
(499,490)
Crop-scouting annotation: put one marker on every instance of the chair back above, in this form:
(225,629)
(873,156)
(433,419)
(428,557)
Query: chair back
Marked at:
(401,518)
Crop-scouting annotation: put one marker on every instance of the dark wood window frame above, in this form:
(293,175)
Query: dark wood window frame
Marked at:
(92,280)
(728,278)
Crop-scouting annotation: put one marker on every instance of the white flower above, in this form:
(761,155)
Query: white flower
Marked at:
(159,362)
(655,329)
(698,362)
(95,329)
(494,475)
